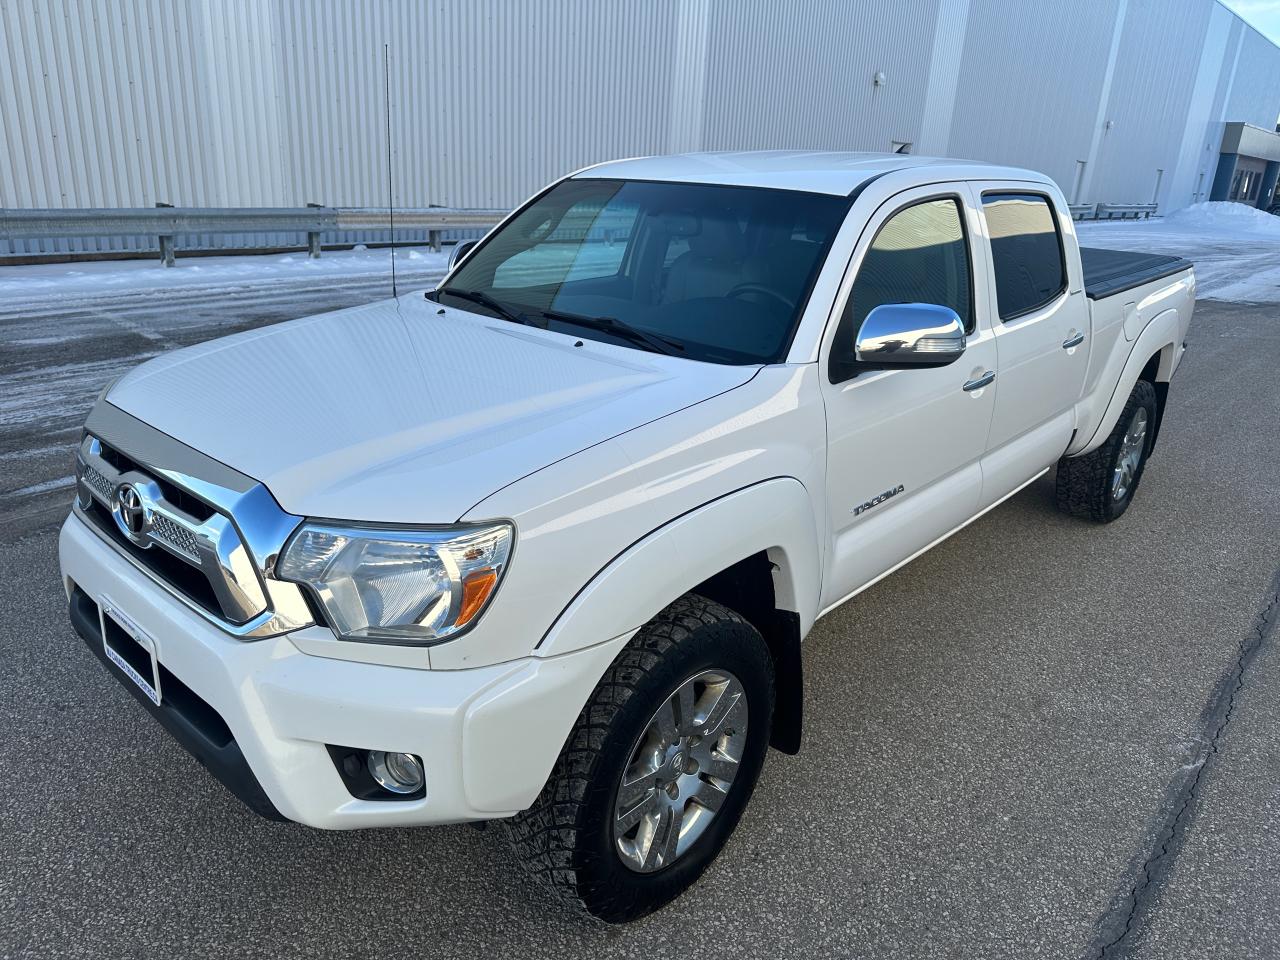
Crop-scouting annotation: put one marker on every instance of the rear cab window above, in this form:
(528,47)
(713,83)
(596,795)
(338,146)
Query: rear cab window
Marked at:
(1026,252)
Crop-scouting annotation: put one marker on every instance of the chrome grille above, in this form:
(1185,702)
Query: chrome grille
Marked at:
(169,510)
(173,535)
(100,484)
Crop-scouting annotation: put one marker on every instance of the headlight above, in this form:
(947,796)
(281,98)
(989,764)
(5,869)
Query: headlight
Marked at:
(401,586)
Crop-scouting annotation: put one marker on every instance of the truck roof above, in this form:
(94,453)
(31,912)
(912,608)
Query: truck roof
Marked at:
(814,171)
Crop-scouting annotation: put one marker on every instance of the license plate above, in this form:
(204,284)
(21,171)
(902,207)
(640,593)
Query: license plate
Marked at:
(129,648)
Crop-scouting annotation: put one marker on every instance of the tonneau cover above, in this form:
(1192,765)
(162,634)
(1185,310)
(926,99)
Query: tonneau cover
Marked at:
(1108,272)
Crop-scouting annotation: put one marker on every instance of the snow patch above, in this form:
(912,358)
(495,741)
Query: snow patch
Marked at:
(1223,216)
(42,487)
(50,281)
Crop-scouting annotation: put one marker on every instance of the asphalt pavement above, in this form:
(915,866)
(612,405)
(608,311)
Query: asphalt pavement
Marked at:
(1044,738)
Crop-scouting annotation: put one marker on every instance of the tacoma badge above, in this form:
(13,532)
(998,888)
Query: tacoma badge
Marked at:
(876,501)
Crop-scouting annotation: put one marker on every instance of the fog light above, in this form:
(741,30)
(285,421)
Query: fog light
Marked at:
(397,772)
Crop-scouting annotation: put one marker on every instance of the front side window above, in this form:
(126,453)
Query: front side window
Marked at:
(707,272)
(919,255)
(1026,252)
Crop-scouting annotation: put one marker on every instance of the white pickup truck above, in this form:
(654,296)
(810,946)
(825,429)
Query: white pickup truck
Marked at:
(542,544)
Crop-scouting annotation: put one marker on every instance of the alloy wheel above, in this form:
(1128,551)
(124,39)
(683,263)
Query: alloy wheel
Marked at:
(1130,456)
(680,771)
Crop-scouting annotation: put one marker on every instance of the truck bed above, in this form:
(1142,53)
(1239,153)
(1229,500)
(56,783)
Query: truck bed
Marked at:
(1108,272)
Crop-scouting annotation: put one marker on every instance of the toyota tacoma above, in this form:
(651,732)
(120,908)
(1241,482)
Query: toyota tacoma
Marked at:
(540,545)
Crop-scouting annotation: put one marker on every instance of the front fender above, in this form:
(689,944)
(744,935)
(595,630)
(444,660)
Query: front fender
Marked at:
(515,731)
(775,516)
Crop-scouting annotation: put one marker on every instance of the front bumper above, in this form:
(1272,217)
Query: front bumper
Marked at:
(488,737)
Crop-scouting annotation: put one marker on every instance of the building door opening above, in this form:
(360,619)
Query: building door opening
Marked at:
(1247,181)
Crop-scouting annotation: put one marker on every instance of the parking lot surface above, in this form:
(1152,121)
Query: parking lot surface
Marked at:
(1043,738)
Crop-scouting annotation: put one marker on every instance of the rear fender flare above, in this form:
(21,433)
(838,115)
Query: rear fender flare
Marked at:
(1159,338)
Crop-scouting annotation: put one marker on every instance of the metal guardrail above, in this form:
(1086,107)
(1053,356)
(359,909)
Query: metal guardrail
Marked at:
(1109,211)
(165,222)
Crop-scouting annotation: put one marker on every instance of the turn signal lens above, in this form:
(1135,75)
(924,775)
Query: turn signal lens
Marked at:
(475,591)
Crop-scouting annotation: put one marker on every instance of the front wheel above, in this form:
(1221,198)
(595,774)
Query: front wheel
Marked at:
(1100,485)
(659,766)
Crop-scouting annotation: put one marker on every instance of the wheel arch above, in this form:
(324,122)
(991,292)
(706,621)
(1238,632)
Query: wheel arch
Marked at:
(1152,358)
(755,550)
(758,588)
(1158,371)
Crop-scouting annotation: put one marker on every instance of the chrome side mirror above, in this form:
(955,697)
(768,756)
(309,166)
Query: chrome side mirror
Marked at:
(460,250)
(910,335)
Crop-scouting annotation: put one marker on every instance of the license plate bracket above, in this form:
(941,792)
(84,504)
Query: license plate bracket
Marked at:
(130,649)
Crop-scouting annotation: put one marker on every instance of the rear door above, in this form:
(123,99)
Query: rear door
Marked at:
(905,445)
(1040,319)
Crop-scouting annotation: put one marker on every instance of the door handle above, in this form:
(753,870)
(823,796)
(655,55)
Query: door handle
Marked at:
(977,383)
(1075,341)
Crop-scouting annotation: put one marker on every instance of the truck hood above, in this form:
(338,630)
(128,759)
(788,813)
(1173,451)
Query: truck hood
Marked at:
(404,411)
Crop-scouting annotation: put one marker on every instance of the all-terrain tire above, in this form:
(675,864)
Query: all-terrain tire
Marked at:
(1085,485)
(566,838)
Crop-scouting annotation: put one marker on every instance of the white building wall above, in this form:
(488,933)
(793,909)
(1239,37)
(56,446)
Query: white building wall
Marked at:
(1192,175)
(489,99)
(281,102)
(1030,79)
(1155,73)
(802,73)
(1257,82)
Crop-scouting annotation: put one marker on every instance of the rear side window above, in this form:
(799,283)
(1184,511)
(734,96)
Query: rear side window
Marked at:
(1026,251)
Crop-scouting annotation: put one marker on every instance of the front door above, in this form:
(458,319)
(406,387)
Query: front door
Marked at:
(904,445)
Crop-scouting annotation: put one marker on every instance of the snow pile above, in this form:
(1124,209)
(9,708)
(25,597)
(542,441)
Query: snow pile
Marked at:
(1223,216)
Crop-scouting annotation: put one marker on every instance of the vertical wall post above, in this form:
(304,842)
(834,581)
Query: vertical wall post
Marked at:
(1081,166)
(433,237)
(166,243)
(313,238)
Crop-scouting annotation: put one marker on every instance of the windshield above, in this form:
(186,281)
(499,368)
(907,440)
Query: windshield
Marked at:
(706,272)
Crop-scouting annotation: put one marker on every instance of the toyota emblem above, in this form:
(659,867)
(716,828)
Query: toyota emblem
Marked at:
(131,514)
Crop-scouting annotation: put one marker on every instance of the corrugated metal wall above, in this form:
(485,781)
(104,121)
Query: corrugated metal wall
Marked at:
(1029,84)
(800,74)
(1151,92)
(1257,79)
(281,102)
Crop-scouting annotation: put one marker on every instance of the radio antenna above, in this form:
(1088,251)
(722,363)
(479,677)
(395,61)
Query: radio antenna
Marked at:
(391,204)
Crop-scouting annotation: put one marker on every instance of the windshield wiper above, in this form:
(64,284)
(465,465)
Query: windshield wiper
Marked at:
(652,341)
(482,298)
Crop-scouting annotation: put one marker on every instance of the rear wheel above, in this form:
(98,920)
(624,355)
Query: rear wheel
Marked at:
(659,766)
(1100,486)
